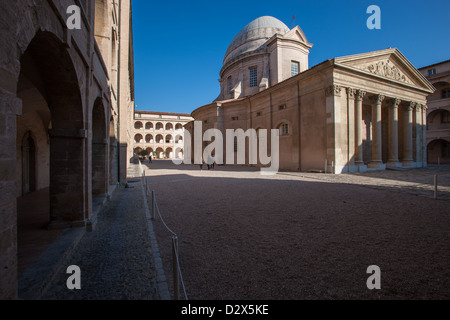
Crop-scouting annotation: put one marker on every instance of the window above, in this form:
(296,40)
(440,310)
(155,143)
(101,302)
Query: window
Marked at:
(230,84)
(445,117)
(284,129)
(259,114)
(445,93)
(234,118)
(431,72)
(295,68)
(253,80)
(282,107)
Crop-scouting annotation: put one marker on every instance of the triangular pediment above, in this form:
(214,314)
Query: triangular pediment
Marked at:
(297,34)
(388,64)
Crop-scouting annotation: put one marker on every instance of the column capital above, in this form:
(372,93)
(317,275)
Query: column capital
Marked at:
(360,94)
(410,106)
(377,98)
(395,103)
(351,93)
(333,90)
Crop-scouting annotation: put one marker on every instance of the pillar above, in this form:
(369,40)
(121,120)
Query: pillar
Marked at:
(377,161)
(424,135)
(393,134)
(418,134)
(407,159)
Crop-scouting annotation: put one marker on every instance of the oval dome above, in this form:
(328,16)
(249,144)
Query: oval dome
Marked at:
(253,35)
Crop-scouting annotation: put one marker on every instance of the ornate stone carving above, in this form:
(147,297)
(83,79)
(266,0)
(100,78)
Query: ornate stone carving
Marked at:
(395,103)
(410,106)
(387,70)
(360,94)
(351,93)
(377,99)
(333,90)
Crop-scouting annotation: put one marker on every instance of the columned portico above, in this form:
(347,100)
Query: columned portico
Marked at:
(377,162)
(393,134)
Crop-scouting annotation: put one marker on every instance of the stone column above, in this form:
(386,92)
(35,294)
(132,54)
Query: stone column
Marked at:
(408,136)
(393,134)
(418,137)
(358,128)
(377,161)
(424,135)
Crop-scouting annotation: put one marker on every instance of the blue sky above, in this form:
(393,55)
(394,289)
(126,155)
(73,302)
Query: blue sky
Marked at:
(179,46)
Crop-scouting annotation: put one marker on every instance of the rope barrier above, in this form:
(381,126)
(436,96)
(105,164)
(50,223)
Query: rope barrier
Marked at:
(178,276)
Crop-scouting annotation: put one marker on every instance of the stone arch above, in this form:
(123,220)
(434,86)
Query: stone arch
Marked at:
(178,126)
(159,126)
(169,126)
(148,125)
(149,138)
(169,138)
(47,68)
(159,153)
(159,138)
(438,151)
(168,153)
(138,125)
(138,138)
(99,155)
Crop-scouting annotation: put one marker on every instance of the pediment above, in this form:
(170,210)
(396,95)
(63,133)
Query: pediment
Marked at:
(388,64)
(297,34)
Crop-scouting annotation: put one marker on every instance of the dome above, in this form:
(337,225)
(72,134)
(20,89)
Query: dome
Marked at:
(254,35)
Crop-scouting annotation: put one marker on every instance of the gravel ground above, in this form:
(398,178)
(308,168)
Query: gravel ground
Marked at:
(302,235)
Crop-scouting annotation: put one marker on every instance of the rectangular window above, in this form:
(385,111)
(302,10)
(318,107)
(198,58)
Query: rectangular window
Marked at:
(258,114)
(234,118)
(282,107)
(445,117)
(284,129)
(295,68)
(445,93)
(431,72)
(230,84)
(253,80)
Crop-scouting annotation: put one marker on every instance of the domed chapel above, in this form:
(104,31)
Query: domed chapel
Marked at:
(348,114)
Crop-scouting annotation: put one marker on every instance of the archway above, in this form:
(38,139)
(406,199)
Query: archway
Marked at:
(28,164)
(159,153)
(438,151)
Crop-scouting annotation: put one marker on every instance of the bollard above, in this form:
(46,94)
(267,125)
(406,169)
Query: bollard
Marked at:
(435,187)
(326,165)
(176,278)
(153,205)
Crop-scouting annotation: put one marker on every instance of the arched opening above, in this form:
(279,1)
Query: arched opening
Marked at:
(159,126)
(149,138)
(169,126)
(169,153)
(159,138)
(28,164)
(179,138)
(178,126)
(53,154)
(169,138)
(99,153)
(438,151)
(148,126)
(138,138)
(160,153)
(138,125)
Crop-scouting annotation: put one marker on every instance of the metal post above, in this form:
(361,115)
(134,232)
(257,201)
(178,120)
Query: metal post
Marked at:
(153,205)
(435,187)
(326,165)
(176,278)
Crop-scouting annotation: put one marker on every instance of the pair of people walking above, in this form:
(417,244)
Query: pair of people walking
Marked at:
(209,162)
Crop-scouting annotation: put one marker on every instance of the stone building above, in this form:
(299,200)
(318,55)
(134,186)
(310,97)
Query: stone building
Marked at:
(438,114)
(66,110)
(354,113)
(161,134)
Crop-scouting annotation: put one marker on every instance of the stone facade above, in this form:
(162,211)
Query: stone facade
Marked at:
(438,113)
(355,113)
(65,113)
(161,134)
